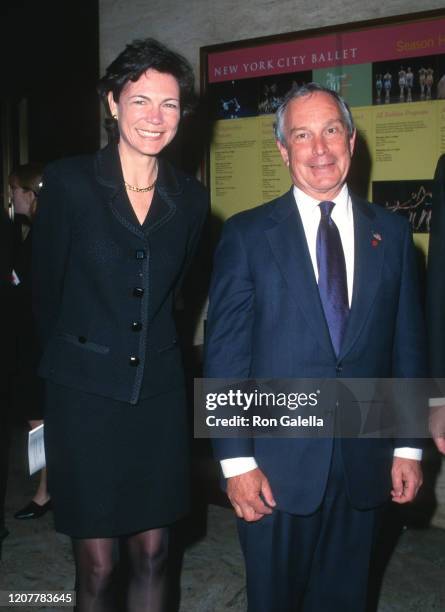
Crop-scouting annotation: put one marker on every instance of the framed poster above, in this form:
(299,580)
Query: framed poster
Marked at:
(392,74)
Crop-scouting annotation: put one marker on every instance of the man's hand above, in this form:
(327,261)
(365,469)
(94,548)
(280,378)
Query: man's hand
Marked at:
(437,427)
(247,492)
(440,443)
(406,479)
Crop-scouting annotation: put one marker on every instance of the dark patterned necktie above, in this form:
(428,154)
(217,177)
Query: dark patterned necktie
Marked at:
(332,282)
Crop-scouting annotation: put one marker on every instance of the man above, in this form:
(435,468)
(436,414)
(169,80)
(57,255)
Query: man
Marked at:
(307,508)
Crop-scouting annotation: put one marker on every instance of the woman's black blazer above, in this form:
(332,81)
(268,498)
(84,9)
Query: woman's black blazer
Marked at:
(103,288)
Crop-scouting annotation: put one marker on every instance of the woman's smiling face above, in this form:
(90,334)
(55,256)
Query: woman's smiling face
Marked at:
(148,113)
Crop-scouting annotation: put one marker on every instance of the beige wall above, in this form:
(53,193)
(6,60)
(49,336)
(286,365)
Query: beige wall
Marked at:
(188,25)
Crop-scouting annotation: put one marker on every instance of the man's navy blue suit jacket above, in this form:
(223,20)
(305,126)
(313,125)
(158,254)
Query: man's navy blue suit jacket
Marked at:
(266,320)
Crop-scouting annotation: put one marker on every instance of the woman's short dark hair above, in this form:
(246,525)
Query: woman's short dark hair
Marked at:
(137,58)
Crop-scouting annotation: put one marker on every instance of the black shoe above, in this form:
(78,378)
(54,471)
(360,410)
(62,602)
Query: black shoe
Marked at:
(33,510)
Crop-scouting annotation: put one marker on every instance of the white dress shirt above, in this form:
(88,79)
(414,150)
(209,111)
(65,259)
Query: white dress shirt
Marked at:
(342,215)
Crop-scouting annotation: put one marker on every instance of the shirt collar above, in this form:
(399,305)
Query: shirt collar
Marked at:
(308,205)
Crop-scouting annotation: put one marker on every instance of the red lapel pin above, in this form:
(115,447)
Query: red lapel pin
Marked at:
(376,239)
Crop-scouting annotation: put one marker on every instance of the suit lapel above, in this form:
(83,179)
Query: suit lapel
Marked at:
(289,247)
(368,261)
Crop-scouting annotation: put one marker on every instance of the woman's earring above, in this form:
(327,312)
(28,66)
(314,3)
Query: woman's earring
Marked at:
(115,117)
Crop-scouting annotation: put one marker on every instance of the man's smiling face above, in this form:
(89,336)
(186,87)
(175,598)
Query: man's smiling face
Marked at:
(318,148)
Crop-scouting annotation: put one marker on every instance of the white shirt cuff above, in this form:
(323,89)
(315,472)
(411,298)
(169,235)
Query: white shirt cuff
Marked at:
(406,452)
(240,465)
(237,465)
(436,402)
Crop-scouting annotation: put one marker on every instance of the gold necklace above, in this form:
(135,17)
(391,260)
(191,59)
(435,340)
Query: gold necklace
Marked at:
(140,189)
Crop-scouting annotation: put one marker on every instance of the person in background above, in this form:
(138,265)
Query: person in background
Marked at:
(437,423)
(435,305)
(7,358)
(115,233)
(27,393)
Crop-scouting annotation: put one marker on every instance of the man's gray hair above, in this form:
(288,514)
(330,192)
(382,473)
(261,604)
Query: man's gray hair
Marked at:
(307,90)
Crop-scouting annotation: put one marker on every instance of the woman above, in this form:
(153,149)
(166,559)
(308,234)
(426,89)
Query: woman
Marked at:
(114,235)
(25,182)
(7,358)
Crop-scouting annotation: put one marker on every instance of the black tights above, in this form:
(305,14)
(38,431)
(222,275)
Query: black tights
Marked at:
(147,558)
